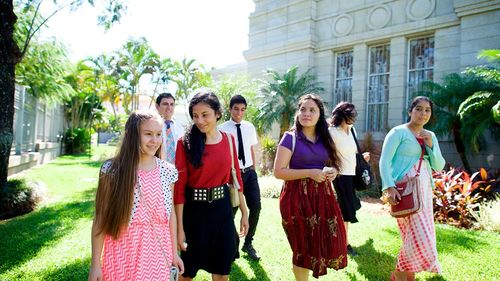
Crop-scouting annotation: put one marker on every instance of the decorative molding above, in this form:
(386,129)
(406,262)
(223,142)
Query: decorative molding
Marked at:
(420,9)
(253,54)
(378,16)
(471,7)
(342,25)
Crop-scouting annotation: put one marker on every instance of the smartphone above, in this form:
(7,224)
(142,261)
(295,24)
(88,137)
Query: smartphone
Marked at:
(174,274)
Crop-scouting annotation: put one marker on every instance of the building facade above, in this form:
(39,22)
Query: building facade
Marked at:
(374,53)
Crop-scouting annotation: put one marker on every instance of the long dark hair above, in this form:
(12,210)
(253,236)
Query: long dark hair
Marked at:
(321,129)
(115,190)
(343,112)
(194,139)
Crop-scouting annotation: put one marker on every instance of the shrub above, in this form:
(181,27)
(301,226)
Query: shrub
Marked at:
(487,215)
(76,140)
(268,154)
(457,193)
(270,187)
(17,199)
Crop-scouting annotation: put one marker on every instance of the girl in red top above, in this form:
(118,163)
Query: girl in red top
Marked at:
(206,231)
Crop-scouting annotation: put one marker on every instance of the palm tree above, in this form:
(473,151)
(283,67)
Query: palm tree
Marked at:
(459,109)
(279,96)
(136,59)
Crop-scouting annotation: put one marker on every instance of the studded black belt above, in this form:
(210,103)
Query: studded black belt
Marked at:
(207,194)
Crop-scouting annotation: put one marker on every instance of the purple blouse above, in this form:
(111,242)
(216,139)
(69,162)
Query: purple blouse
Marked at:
(307,154)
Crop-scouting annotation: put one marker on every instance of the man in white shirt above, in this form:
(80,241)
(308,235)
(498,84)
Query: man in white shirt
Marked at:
(246,138)
(172,131)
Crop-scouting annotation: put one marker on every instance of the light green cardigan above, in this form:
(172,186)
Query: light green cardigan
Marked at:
(401,151)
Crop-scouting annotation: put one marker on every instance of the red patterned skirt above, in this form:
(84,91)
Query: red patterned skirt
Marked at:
(313,224)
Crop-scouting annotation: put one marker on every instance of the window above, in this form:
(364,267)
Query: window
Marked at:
(343,78)
(420,65)
(378,88)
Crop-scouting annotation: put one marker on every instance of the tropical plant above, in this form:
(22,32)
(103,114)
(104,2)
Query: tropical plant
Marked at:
(189,77)
(136,58)
(230,85)
(487,214)
(279,96)
(12,51)
(269,146)
(161,77)
(43,70)
(107,83)
(457,193)
(455,95)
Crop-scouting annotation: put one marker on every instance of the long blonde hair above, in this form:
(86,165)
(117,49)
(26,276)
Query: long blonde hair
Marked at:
(115,190)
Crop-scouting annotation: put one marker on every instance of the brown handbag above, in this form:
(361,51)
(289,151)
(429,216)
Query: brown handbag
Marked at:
(235,186)
(410,192)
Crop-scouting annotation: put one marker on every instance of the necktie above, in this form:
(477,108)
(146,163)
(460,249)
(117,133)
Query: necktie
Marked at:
(169,143)
(241,153)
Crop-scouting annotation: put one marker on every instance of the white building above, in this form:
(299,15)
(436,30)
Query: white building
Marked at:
(375,52)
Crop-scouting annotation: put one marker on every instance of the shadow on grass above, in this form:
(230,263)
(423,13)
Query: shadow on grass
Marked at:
(372,264)
(24,237)
(238,274)
(76,270)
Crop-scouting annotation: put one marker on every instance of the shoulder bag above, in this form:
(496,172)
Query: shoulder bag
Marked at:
(235,186)
(363,178)
(409,190)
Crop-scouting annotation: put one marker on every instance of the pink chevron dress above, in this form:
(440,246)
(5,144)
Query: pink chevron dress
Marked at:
(418,251)
(137,254)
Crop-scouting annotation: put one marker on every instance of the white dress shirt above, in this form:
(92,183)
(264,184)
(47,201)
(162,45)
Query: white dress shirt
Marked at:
(346,149)
(248,134)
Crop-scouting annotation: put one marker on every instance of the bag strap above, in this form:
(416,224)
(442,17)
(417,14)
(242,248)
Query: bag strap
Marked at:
(230,148)
(355,139)
(294,140)
(421,158)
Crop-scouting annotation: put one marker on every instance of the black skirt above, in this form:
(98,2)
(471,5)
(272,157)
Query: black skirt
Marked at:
(210,235)
(346,196)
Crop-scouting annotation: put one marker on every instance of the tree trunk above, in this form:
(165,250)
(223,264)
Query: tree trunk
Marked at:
(9,57)
(459,145)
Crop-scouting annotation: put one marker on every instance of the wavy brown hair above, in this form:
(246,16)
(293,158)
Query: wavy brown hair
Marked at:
(115,190)
(321,129)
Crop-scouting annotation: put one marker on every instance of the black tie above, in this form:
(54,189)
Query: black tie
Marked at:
(241,153)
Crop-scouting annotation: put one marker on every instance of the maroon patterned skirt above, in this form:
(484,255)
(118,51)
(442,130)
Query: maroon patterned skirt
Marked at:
(313,224)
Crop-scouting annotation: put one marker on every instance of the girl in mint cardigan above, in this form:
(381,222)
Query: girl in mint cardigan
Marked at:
(400,156)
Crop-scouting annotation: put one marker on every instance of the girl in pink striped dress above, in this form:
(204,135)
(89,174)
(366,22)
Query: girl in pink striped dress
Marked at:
(134,229)
(400,156)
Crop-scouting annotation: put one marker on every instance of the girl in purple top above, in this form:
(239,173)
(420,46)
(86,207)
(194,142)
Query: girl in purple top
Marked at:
(307,161)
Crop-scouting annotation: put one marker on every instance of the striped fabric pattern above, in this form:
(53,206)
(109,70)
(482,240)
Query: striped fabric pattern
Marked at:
(136,254)
(418,252)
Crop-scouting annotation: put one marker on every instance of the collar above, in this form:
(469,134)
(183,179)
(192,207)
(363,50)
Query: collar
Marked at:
(300,135)
(234,123)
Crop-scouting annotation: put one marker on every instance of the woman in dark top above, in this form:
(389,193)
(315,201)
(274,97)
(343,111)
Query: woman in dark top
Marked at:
(307,160)
(206,232)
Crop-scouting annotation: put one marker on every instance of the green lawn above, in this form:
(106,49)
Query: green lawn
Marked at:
(53,243)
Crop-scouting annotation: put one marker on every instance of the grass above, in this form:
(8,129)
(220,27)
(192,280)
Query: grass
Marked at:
(53,242)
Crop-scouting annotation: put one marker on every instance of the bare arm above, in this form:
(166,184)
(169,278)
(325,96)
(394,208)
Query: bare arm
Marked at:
(176,261)
(181,236)
(253,156)
(95,273)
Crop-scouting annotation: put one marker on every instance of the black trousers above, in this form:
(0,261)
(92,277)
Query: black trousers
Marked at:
(251,191)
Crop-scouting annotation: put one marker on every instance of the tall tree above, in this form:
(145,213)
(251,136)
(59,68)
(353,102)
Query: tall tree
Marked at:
(279,96)
(136,59)
(11,54)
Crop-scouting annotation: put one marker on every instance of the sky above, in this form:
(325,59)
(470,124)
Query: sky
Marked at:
(214,32)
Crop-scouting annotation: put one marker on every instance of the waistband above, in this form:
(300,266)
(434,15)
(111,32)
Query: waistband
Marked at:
(244,170)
